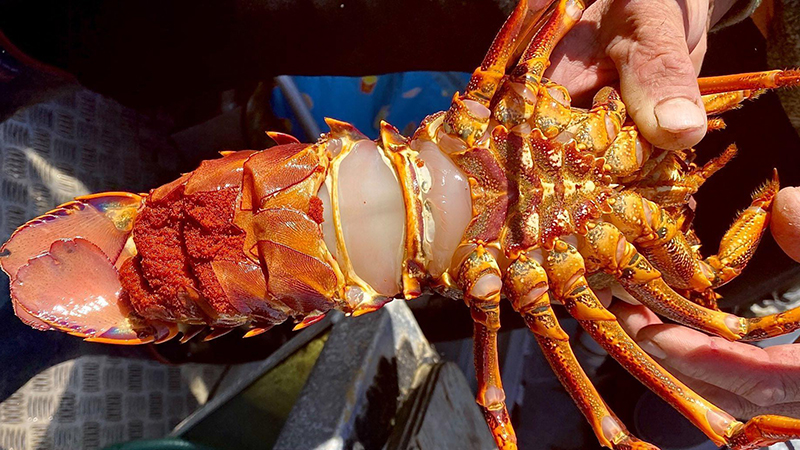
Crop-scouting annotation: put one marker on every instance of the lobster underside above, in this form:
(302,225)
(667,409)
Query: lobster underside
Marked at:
(511,192)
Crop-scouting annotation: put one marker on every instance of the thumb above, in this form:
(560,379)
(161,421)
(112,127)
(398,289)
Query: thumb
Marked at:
(786,221)
(657,77)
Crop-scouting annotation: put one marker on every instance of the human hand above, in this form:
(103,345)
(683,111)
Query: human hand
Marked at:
(740,378)
(654,49)
(785,223)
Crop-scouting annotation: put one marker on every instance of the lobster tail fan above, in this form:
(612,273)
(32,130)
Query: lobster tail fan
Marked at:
(63,274)
(106,220)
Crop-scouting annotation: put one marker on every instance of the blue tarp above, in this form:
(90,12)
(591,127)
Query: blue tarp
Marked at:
(402,99)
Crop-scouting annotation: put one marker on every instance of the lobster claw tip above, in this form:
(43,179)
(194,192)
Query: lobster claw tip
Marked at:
(765,194)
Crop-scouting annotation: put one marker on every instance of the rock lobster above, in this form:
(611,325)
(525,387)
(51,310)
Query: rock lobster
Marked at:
(511,192)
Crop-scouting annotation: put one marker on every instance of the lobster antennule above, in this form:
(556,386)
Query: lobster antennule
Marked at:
(62,270)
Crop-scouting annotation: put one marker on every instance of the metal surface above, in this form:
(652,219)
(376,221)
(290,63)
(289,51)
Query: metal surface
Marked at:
(51,152)
(254,372)
(369,366)
(93,401)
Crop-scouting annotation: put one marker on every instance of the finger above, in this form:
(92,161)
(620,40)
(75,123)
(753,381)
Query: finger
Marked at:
(728,401)
(647,42)
(737,405)
(619,292)
(786,221)
(633,318)
(604,295)
(696,21)
(676,349)
(698,54)
(579,61)
(739,368)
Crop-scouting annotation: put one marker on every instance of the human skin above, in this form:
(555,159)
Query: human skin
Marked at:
(653,50)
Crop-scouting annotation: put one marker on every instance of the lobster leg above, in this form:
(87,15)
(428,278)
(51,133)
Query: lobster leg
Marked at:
(658,238)
(716,104)
(608,250)
(523,94)
(468,116)
(602,123)
(727,92)
(565,269)
(740,241)
(763,431)
(537,56)
(479,278)
(627,153)
(526,287)
(749,81)
(604,245)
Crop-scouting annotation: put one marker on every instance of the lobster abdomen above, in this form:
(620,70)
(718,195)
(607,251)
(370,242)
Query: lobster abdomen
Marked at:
(251,238)
(197,251)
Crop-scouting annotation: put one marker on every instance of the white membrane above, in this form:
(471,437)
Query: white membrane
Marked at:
(448,199)
(372,211)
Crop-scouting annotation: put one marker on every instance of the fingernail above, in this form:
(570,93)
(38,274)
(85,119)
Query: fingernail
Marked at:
(652,349)
(678,115)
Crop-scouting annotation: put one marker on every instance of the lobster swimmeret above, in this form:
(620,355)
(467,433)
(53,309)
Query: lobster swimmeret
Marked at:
(511,191)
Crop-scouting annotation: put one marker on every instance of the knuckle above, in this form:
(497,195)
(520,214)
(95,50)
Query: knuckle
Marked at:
(652,44)
(765,392)
(662,65)
(740,408)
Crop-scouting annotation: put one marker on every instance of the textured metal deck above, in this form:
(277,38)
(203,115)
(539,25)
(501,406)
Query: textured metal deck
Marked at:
(52,152)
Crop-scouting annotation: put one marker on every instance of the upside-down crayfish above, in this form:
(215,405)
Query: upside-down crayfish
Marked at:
(511,192)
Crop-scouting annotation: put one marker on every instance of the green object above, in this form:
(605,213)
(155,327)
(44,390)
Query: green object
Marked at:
(253,419)
(158,444)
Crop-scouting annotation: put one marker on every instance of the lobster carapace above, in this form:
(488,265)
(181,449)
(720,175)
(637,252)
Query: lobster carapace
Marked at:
(510,192)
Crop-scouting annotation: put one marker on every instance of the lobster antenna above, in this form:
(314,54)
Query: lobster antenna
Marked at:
(771,79)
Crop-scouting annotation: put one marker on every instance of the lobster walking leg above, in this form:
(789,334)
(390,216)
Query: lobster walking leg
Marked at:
(523,94)
(537,56)
(468,116)
(565,268)
(658,238)
(725,101)
(602,245)
(526,286)
(479,278)
(763,431)
(609,250)
(727,92)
